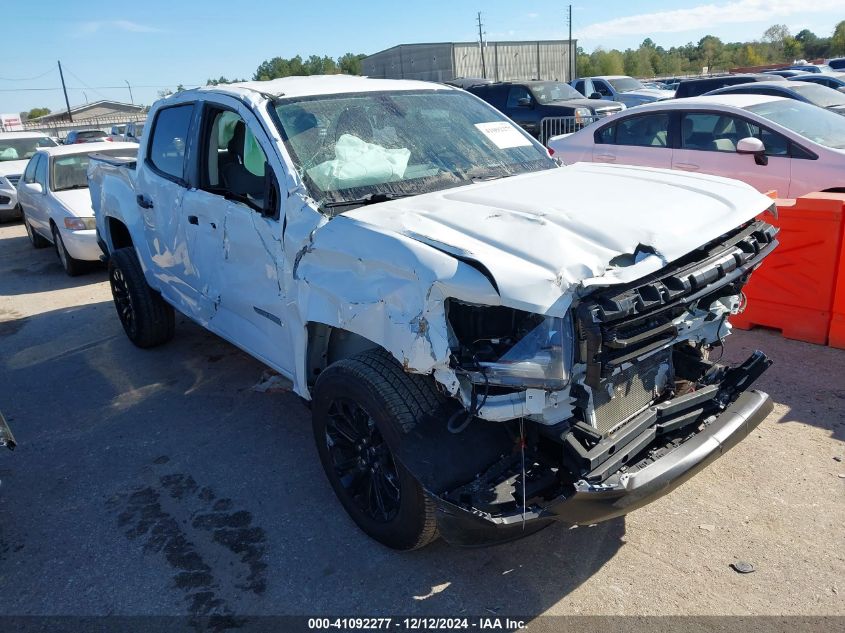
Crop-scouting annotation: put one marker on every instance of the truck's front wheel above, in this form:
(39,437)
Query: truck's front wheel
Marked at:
(363,407)
(147,319)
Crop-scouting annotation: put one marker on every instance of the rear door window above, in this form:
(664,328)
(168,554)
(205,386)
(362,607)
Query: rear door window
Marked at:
(650,130)
(170,135)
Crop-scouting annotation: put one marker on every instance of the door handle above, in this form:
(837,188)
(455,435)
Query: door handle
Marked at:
(143,201)
(687,166)
(192,219)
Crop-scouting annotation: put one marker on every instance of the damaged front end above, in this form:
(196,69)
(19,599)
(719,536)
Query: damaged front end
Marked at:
(586,417)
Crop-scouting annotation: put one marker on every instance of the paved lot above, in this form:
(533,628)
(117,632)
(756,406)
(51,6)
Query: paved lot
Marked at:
(160,482)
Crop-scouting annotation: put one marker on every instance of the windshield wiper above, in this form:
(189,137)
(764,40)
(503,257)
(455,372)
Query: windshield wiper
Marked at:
(370,198)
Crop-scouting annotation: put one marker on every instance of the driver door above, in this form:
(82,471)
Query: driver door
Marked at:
(238,243)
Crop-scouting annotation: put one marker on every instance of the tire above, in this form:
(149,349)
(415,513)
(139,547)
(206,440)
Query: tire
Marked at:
(370,394)
(147,319)
(35,238)
(73,267)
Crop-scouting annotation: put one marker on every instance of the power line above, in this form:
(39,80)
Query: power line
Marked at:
(44,74)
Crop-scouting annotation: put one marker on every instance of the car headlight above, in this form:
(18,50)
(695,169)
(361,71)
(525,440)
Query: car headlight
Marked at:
(582,115)
(5,183)
(80,224)
(507,347)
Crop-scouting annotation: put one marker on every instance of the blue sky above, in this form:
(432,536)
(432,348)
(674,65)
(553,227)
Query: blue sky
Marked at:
(159,44)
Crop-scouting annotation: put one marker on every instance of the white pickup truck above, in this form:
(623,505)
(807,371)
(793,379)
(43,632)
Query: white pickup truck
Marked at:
(489,342)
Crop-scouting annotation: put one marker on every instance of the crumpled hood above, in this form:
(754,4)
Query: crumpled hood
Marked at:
(541,233)
(76,201)
(11,167)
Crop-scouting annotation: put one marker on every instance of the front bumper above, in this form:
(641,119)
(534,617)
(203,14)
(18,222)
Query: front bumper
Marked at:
(592,503)
(82,245)
(9,204)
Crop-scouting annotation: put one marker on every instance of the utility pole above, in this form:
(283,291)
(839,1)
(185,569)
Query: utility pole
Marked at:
(571,56)
(131,100)
(481,47)
(64,88)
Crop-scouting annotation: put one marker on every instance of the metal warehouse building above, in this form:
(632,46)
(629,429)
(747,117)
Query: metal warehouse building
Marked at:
(547,59)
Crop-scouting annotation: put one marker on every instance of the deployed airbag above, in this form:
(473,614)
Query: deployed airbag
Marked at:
(358,164)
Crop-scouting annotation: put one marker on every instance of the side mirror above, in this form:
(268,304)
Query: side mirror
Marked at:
(753,145)
(525,102)
(595,95)
(34,187)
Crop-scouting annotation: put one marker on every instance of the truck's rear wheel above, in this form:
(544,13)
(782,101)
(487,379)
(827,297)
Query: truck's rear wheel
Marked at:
(147,319)
(363,407)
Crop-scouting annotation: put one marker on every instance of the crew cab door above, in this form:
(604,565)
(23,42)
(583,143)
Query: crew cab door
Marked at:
(160,189)
(635,140)
(238,236)
(707,144)
(522,108)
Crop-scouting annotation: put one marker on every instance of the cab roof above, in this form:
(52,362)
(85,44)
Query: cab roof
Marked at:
(315,85)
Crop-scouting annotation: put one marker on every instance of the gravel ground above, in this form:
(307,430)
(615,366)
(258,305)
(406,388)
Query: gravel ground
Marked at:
(161,482)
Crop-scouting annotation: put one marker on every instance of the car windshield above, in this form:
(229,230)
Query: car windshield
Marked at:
(350,146)
(71,171)
(91,134)
(22,148)
(820,126)
(821,96)
(550,91)
(625,84)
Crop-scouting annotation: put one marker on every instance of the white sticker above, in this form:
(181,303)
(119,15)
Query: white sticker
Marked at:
(503,134)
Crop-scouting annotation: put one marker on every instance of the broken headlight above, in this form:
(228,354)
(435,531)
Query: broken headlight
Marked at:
(507,347)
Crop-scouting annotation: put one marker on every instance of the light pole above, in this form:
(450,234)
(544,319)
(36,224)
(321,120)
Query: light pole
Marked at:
(131,100)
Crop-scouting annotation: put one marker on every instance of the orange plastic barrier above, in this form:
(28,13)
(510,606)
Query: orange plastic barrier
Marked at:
(793,290)
(836,337)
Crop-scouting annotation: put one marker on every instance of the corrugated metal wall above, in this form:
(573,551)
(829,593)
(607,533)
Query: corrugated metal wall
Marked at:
(427,62)
(503,61)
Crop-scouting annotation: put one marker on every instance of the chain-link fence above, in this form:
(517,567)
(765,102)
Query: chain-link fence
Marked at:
(60,129)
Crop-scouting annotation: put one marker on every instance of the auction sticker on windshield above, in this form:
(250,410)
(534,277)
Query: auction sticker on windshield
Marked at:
(503,134)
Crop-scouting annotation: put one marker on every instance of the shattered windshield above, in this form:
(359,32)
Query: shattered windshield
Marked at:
(352,146)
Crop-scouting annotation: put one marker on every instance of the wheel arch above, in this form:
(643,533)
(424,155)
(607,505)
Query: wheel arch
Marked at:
(328,344)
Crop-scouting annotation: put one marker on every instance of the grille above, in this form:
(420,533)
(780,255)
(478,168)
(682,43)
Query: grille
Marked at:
(4,200)
(632,390)
(13,179)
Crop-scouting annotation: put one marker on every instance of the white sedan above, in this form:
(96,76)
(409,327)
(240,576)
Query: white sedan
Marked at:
(772,143)
(53,194)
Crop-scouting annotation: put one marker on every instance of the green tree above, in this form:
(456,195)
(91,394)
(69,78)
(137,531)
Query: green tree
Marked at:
(350,63)
(37,112)
(792,49)
(837,41)
(709,50)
